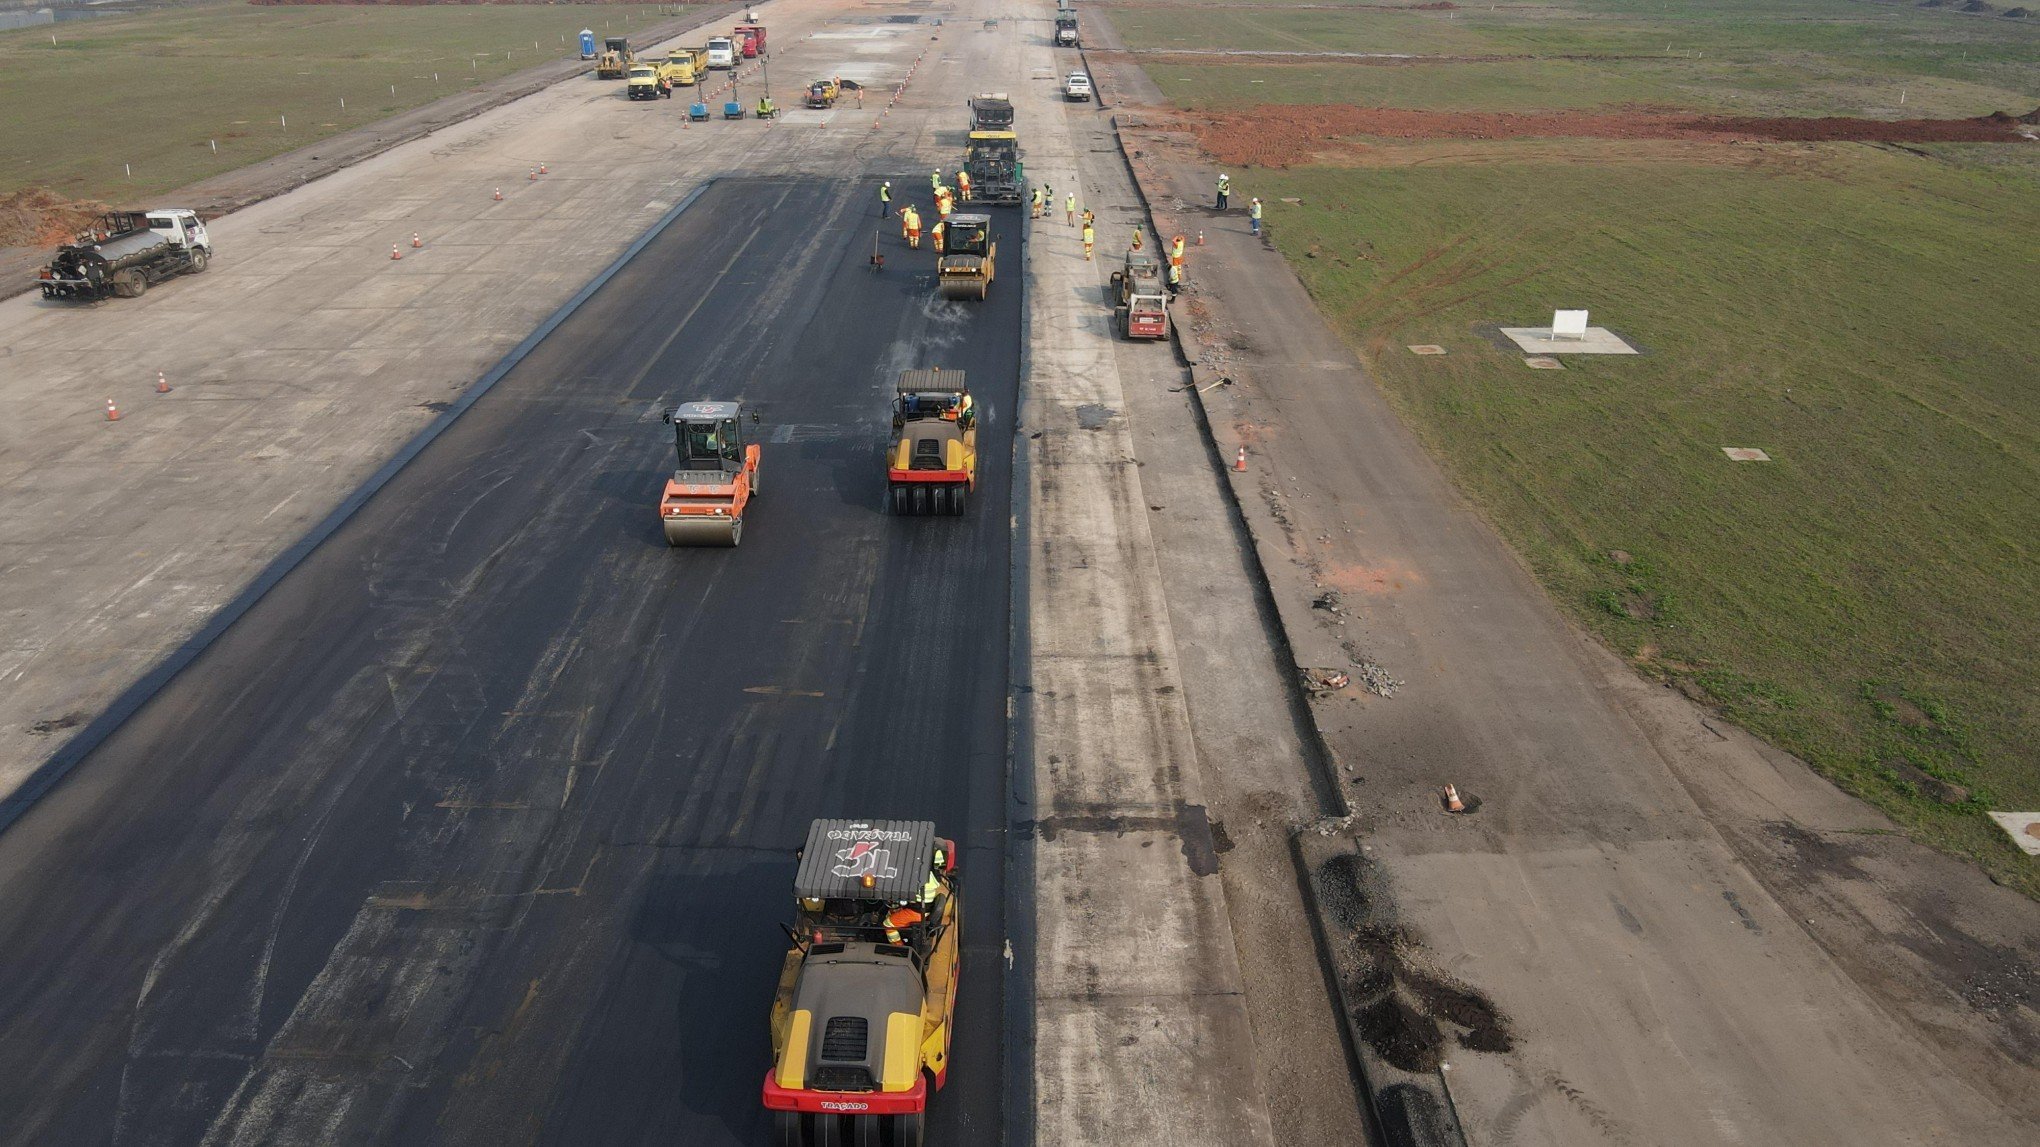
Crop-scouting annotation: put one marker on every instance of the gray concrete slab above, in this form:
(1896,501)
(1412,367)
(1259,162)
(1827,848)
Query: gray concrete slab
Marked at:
(1541,340)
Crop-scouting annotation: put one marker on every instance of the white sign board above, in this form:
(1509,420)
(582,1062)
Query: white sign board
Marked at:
(1568,324)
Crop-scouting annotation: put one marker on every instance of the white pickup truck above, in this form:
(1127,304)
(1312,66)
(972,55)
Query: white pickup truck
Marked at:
(1077,87)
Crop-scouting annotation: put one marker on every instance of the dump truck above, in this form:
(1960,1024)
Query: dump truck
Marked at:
(823,94)
(932,466)
(991,111)
(616,58)
(722,53)
(126,252)
(647,82)
(1144,315)
(1141,273)
(861,1018)
(684,66)
(996,174)
(717,478)
(964,269)
(750,40)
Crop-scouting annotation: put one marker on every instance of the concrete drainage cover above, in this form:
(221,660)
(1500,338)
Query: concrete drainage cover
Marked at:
(1427,348)
(1745,454)
(2022,827)
(1542,363)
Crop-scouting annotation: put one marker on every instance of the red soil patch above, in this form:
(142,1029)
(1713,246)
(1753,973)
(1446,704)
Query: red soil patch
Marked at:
(1281,135)
(33,217)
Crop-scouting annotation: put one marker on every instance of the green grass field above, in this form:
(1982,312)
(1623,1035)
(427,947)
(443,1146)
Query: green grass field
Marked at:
(1809,57)
(1867,600)
(151,90)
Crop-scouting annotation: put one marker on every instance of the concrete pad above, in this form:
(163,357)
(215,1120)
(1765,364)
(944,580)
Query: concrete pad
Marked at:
(1745,454)
(1427,348)
(1542,363)
(2022,827)
(1538,340)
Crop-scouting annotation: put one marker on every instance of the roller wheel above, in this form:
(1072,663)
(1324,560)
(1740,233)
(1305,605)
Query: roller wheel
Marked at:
(909,1130)
(959,498)
(828,1130)
(899,501)
(787,1130)
(984,288)
(754,480)
(736,531)
(922,497)
(865,1131)
(198,260)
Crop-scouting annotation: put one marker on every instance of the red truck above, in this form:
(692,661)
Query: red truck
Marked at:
(750,40)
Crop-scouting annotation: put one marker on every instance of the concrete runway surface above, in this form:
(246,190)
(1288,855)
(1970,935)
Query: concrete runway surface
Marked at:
(477,828)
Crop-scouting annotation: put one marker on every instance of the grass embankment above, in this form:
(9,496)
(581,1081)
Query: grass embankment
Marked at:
(151,90)
(1743,57)
(1869,599)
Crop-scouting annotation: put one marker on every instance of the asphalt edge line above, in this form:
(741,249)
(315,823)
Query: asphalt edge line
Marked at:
(131,700)
(1387,1109)
(1019,996)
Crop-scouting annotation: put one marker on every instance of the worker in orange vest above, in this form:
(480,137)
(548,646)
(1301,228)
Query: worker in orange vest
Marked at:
(963,184)
(898,919)
(912,219)
(941,225)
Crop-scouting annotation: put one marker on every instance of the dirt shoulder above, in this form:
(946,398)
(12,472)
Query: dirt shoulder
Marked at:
(1665,923)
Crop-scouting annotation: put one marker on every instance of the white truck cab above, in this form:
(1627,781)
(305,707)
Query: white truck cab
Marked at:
(181,226)
(722,52)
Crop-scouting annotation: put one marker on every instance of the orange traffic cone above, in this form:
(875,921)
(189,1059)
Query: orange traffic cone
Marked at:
(112,411)
(1239,461)
(415,241)
(162,384)
(542,170)
(1200,238)
(1452,801)
(396,252)
(534,173)
(499,195)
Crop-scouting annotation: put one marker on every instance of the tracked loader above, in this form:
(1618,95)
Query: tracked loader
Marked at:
(932,467)
(964,269)
(717,478)
(861,1019)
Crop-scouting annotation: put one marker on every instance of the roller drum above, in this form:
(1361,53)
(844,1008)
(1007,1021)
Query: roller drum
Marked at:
(703,530)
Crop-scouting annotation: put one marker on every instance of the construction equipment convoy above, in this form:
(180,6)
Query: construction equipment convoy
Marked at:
(996,173)
(647,82)
(991,111)
(717,478)
(932,466)
(964,268)
(616,58)
(125,252)
(861,1017)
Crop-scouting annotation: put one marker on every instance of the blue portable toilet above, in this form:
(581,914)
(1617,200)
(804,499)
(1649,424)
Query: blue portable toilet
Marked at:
(587,43)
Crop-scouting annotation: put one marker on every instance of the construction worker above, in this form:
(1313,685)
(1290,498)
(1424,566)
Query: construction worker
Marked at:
(912,218)
(963,184)
(1090,217)
(1070,209)
(1034,202)
(941,226)
(942,202)
(932,887)
(1175,278)
(900,918)
(1224,190)
(934,181)
(1090,237)
(1254,215)
(1176,251)
(885,199)
(1136,237)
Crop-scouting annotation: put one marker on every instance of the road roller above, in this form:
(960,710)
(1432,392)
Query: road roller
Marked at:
(932,466)
(964,269)
(861,1018)
(717,478)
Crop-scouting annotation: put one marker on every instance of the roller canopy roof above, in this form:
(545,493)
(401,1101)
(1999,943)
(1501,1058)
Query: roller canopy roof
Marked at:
(897,854)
